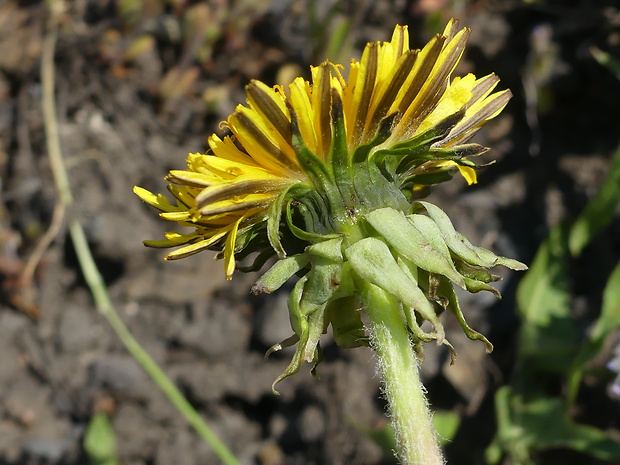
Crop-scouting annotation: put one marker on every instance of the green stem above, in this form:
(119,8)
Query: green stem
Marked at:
(89,268)
(399,365)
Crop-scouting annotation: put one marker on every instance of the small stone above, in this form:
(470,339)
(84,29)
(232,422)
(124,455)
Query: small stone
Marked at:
(119,374)
(271,454)
(311,424)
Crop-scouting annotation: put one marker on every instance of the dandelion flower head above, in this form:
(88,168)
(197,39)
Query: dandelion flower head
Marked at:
(329,175)
(400,113)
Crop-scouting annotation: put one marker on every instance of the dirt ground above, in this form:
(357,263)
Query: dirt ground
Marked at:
(126,120)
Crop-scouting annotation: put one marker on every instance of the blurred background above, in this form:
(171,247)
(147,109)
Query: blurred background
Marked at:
(141,83)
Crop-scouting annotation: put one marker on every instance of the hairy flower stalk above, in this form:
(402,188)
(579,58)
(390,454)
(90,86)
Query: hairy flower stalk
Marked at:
(328,177)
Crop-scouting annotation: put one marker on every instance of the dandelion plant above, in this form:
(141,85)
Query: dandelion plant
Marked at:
(328,176)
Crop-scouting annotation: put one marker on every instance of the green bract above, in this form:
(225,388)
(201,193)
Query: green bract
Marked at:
(415,258)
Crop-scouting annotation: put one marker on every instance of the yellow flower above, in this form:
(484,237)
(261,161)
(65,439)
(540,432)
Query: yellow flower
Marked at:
(329,175)
(300,166)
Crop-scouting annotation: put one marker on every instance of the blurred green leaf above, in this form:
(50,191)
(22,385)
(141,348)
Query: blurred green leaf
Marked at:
(600,211)
(608,321)
(329,31)
(610,311)
(338,47)
(606,60)
(510,437)
(100,441)
(384,437)
(446,424)
(542,424)
(548,335)
(529,420)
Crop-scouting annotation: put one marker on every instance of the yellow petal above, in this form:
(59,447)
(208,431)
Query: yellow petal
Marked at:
(242,203)
(272,123)
(400,40)
(430,91)
(454,99)
(192,179)
(184,195)
(196,247)
(159,244)
(451,29)
(255,136)
(422,68)
(158,201)
(227,150)
(348,97)
(387,91)
(484,86)
(229,249)
(466,171)
(366,78)
(302,106)
(240,187)
(489,108)
(321,102)
(179,239)
(229,169)
(270,104)
(177,216)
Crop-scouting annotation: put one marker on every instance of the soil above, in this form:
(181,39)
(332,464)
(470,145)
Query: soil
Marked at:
(126,119)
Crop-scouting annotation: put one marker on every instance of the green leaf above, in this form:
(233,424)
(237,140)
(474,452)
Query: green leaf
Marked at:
(446,424)
(606,60)
(610,311)
(510,438)
(100,441)
(384,437)
(600,211)
(548,335)
(608,321)
(543,424)
(338,44)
